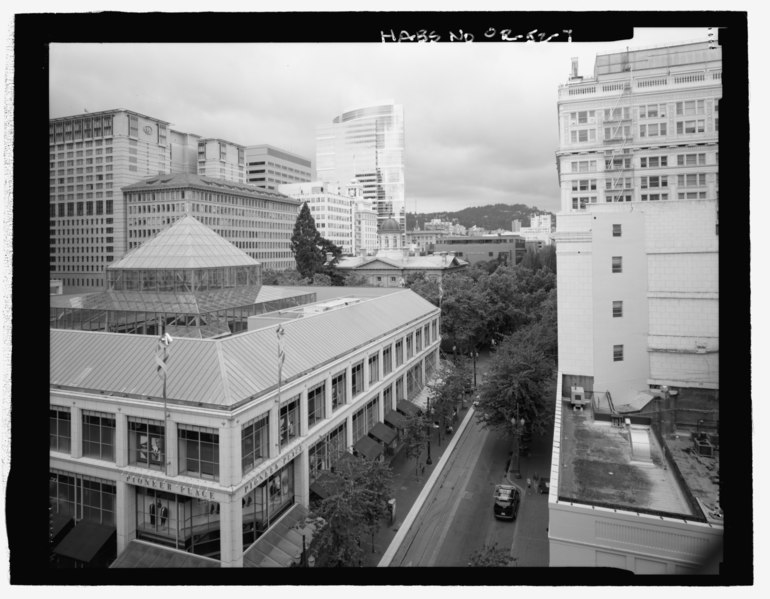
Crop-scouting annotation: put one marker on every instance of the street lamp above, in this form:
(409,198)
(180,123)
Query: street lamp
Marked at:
(474,355)
(518,425)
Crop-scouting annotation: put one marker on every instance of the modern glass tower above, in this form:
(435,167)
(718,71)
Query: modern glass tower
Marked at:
(365,145)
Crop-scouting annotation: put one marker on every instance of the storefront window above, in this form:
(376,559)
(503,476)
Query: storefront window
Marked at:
(185,523)
(267,502)
(289,421)
(146,443)
(98,435)
(327,451)
(82,497)
(199,451)
(254,443)
(59,429)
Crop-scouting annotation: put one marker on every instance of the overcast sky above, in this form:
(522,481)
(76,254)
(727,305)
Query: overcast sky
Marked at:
(480,119)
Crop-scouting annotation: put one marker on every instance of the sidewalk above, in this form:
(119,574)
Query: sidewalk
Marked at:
(406,488)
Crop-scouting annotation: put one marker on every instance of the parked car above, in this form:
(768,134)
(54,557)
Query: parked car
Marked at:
(543,486)
(506,502)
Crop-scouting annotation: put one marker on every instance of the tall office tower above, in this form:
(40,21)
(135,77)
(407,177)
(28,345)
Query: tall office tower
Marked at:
(220,159)
(637,253)
(330,207)
(183,151)
(256,221)
(268,167)
(92,156)
(366,144)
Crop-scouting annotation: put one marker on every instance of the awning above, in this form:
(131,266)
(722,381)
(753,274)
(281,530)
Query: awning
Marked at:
(396,419)
(368,447)
(141,554)
(382,432)
(61,524)
(407,408)
(281,545)
(85,541)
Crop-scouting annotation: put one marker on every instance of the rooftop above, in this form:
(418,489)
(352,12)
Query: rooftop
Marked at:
(190,180)
(626,467)
(227,371)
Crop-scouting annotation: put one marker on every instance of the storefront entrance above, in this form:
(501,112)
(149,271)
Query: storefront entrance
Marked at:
(263,505)
(178,521)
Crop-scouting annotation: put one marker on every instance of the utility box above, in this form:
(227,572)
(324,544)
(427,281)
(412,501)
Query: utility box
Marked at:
(577,397)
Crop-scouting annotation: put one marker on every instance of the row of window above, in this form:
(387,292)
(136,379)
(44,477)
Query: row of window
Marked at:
(686,127)
(624,162)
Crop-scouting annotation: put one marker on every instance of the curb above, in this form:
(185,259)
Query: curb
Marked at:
(406,525)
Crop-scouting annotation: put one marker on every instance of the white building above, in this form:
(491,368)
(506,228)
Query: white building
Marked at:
(331,210)
(194,468)
(365,227)
(220,159)
(539,229)
(367,144)
(637,253)
(268,167)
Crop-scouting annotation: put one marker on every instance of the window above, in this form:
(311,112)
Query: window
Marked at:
(581,202)
(254,443)
(409,346)
(339,390)
(652,111)
(583,135)
(584,185)
(582,117)
(615,133)
(288,421)
(617,264)
(691,107)
(316,405)
(365,419)
(59,429)
(357,378)
(652,130)
(583,166)
(617,230)
(691,159)
(653,161)
(617,114)
(617,309)
(689,127)
(399,389)
(327,451)
(654,196)
(617,163)
(426,332)
(387,360)
(399,352)
(98,435)
(198,451)
(691,180)
(418,340)
(656,181)
(146,443)
(374,368)
(617,353)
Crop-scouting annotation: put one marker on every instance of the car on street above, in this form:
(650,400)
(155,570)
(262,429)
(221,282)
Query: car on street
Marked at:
(507,499)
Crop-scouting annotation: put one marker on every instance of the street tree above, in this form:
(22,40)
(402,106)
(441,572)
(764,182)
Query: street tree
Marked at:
(446,393)
(415,439)
(519,384)
(353,513)
(491,556)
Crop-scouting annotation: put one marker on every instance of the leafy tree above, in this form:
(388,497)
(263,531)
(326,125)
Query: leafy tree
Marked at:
(446,392)
(353,279)
(464,309)
(519,384)
(322,279)
(548,257)
(306,244)
(415,439)
(282,277)
(353,513)
(426,287)
(491,556)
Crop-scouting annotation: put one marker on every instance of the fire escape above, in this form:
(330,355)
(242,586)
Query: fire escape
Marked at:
(617,159)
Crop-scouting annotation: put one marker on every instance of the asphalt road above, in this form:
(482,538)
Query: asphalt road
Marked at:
(457,516)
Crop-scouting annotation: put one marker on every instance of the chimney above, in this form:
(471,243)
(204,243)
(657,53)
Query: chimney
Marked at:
(575,67)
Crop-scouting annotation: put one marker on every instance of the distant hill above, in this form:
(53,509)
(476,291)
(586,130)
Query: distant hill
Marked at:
(494,216)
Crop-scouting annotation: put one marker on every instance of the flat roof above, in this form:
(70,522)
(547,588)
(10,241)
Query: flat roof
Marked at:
(599,466)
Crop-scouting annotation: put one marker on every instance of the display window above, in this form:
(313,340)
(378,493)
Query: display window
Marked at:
(264,504)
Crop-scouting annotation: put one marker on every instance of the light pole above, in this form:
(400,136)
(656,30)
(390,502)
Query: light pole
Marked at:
(518,425)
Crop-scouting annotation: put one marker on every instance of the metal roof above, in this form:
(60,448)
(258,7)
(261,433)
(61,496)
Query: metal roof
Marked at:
(225,372)
(186,243)
(141,554)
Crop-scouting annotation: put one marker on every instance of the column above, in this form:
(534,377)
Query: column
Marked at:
(302,478)
(303,413)
(380,366)
(274,430)
(125,514)
(121,440)
(348,384)
(328,396)
(231,532)
(229,454)
(172,448)
(76,432)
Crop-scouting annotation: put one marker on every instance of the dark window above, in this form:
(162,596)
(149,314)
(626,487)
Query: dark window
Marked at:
(616,230)
(374,368)
(617,353)
(288,424)
(617,264)
(316,404)
(617,309)
(146,443)
(98,435)
(59,429)
(254,443)
(387,360)
(357,378)
(199,451)
(339,390)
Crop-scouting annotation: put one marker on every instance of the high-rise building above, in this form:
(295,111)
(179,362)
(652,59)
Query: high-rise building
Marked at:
(183,151)
(257,221)
(91,157)
(366,144)
(268,167)
(637,253)
(220,159)
(331,210)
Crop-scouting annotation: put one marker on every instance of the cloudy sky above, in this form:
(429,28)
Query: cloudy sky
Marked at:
(480,119)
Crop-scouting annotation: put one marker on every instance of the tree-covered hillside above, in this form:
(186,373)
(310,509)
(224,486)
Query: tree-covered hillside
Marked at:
(494,216)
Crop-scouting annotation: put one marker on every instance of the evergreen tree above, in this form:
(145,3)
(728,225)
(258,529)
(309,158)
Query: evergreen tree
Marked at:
(306,244)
